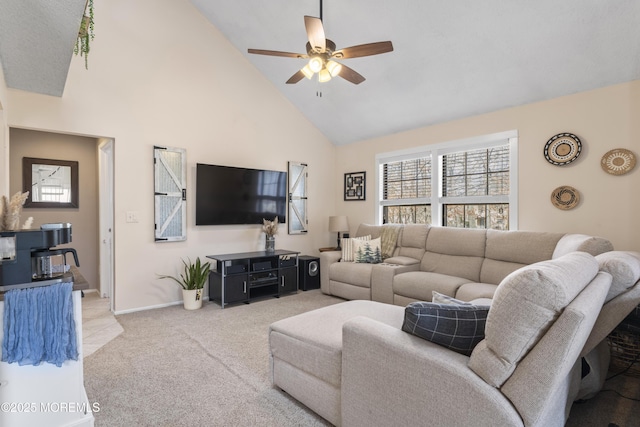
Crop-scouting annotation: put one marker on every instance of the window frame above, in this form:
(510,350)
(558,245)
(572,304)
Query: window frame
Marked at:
(435,152)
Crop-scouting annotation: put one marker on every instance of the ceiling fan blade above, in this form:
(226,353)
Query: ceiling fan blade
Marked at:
(295,78)
(351,75)
(277,53)
(315,33)
(364,50)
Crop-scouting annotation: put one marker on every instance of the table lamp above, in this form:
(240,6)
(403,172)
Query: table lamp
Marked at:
(338,224)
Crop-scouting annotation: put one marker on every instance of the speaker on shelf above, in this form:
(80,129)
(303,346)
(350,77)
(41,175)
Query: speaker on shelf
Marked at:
(308,272)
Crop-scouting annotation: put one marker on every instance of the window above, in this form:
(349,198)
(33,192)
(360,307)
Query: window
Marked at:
(469,183)
(408,180)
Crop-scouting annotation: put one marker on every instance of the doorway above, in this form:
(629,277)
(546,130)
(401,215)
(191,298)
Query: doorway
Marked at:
(106,202)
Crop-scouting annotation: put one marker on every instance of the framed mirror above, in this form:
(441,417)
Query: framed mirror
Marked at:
(50,183)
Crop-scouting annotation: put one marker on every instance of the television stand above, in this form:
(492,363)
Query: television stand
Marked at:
(247,276)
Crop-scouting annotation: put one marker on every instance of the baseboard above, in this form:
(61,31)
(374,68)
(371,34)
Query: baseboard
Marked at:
(152,307)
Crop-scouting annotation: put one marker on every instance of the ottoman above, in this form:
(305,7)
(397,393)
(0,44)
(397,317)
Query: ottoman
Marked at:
(305,352)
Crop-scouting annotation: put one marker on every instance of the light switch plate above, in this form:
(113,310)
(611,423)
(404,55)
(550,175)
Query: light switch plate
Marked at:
(132,216)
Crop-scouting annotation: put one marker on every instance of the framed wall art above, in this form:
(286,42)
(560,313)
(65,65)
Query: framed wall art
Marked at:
(355,186)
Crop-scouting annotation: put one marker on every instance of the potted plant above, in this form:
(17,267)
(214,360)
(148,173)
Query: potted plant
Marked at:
(85,34)
(192,280)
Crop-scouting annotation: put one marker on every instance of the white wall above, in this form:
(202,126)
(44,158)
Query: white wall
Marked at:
(160,74)
(4,135)
(604,119)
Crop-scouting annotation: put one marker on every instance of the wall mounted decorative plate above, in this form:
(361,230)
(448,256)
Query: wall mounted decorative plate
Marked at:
(565,197)
(562,149)
(618,161)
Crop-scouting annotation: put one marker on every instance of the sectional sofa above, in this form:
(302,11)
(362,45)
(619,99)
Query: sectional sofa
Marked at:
(464,263)
(552,304)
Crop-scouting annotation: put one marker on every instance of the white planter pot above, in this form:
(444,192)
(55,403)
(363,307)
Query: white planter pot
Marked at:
(192,298)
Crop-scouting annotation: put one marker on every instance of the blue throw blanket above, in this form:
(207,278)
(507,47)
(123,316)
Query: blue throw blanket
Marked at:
(39,325)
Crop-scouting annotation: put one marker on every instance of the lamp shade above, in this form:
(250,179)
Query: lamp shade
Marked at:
(338,224)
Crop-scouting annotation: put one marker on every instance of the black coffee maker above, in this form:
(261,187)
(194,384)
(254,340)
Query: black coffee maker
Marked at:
(28,257)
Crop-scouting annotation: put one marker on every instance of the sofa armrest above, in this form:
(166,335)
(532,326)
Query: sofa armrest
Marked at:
(612,313)
(326,259)
(382,280)
(416,382)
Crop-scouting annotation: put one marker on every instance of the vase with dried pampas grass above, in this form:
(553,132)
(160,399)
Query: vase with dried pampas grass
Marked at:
(10,210)
(270,229)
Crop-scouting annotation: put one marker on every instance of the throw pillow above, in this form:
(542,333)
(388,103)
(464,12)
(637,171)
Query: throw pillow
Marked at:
(347,247)
(457,327)
(367,251)
(439,298)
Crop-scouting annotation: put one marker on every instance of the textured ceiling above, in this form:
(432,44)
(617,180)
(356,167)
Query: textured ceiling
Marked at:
(36,42)
(451,59)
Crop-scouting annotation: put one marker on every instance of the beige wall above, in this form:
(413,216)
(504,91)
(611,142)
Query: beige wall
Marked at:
(184,85)
(27,143)
(160,74)
(604,119)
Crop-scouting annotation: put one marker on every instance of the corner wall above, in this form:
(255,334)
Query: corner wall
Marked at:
(603,119)
(160,74)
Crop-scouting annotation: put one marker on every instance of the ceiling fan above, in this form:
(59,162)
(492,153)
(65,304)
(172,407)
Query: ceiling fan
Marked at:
(322,54)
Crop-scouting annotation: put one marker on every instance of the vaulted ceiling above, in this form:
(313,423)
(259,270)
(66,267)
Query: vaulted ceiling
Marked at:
(450,60)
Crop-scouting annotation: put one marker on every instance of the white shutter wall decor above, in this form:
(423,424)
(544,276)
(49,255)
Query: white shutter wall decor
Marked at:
(170,185)
(297,187)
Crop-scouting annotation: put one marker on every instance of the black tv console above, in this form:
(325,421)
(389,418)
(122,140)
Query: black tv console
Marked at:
(246,276)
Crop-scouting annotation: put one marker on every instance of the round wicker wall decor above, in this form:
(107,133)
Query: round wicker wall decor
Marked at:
(562,149)
(618,161)
(565,197)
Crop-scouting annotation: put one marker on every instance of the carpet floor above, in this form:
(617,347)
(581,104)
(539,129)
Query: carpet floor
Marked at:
(210,367)
(207,367)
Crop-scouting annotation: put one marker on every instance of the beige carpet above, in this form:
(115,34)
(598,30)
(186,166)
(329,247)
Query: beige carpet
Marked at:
(209,367)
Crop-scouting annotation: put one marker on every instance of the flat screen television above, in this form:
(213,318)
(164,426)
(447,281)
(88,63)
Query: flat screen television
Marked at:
(231,195)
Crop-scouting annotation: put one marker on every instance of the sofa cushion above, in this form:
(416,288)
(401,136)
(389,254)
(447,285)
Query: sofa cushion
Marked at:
(455,252)
(583,243)
(624,268)
(420,285)
(312,341)
(457,327)
(369,230)
(402,260)
(524,306)
(356,274)
(471,291)
(412,241)
(347,247)
(521,247)
(367,251)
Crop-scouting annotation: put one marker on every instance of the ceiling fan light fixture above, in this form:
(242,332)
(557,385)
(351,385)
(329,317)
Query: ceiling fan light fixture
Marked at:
(315,64)
(306,70)
(324,75)
(333,68)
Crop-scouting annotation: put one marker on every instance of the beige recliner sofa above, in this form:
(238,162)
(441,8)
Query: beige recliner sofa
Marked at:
(325,358)
(354,365)
(463,263)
